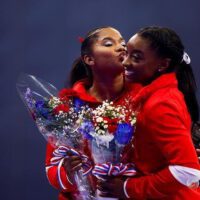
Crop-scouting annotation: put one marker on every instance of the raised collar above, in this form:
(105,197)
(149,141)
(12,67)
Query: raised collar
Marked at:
(80,88)
(164,81)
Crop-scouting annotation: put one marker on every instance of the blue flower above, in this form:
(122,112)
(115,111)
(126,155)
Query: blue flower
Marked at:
(86,128)
(42,109)
(78,103)
(124,133)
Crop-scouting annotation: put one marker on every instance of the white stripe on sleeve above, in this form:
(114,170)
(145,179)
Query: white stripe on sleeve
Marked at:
(185,175)
(125,192)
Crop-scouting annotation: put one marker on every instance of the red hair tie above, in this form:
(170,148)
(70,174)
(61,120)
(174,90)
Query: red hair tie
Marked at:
(81,39)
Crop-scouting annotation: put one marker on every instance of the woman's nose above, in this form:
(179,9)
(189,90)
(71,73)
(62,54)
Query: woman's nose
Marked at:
(121,47)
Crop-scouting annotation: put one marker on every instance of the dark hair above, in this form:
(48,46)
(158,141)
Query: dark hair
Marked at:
(167,44)
(81,70)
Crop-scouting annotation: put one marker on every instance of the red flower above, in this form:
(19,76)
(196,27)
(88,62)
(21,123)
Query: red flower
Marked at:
(33,115)
(61,107)
(128,116)
(112,128)
(65,94)
(106,119)
(112,125)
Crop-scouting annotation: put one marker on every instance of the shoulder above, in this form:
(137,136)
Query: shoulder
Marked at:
(166,112)
(166,97)
(167,103)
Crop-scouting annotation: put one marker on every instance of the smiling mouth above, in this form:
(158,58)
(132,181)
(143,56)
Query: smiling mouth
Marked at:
(128,73)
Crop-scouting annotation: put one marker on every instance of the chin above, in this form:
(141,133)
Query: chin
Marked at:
(129,79)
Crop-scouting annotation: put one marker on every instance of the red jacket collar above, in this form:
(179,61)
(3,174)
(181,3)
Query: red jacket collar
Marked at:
(80,88)
(165,80)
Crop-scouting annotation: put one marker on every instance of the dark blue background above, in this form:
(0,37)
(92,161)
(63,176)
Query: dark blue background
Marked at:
(40,37)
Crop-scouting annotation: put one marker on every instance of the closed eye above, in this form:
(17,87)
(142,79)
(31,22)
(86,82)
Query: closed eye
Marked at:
(108,43)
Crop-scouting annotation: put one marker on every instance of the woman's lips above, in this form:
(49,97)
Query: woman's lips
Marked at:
(122,56)
(121,59)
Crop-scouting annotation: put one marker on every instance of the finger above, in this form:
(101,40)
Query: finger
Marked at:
(105,194)
(103,191)
(69,153)
(77,167)
(75,162)
(69,160)
(103,186)
(72,166)
(75,159)
(72,157)
(103,181)
(100,180)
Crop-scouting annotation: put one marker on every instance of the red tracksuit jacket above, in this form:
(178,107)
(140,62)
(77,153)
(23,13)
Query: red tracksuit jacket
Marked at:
(162,138)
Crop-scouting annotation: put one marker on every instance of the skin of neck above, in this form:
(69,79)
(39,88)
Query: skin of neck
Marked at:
(106,87)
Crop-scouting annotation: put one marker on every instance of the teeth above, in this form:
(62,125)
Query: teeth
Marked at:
(128,73)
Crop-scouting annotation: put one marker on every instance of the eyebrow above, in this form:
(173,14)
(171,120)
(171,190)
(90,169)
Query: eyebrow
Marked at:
(109,38)
(137,51)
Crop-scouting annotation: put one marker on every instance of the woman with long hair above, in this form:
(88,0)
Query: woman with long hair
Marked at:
(96,76)
(164,154)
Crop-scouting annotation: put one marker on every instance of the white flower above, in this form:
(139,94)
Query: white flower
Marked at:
(99,119)
(94,112)
(109,107)
(122,116)
(105,122)
(105,126)
(101,132)
(133,121)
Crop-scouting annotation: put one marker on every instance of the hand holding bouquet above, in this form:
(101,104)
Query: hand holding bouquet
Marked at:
(56,115)
(109,128)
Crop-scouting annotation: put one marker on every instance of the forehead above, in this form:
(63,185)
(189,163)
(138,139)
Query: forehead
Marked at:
(139,43)
(109,33)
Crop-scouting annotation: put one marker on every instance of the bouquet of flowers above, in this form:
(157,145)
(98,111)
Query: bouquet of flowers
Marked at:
(57,116)
(110,128)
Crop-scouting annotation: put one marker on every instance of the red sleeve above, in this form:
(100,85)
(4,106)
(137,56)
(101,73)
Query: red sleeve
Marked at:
(158,185)
(51,172)
(168,123)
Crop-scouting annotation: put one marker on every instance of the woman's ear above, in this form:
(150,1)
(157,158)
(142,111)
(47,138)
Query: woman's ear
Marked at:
(164,64)
(89,60)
